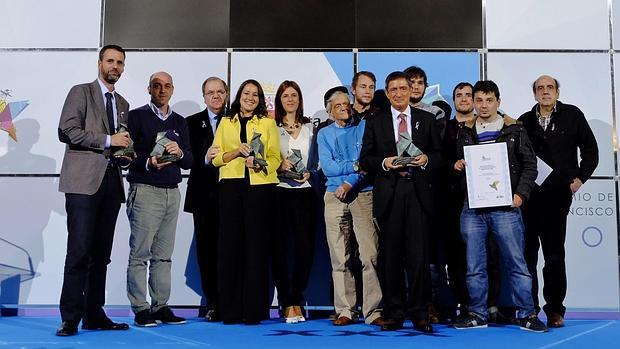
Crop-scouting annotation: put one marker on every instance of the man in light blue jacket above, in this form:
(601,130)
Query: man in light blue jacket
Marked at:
(348,209)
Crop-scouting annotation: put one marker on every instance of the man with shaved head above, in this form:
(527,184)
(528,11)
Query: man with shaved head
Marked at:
(153,201)
(557,131)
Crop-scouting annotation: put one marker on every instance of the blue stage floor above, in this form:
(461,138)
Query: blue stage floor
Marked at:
(38,332)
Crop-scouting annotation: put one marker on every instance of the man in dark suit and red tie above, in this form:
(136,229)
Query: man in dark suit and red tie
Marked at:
(402,203)
(93,187)
(201,198)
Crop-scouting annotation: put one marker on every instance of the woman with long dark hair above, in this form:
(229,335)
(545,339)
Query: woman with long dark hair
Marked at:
(293,246)
(248,157)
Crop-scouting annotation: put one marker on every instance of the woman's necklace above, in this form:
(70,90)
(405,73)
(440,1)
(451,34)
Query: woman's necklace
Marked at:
(290,128)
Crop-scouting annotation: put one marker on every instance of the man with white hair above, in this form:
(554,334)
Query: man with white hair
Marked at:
(348,198)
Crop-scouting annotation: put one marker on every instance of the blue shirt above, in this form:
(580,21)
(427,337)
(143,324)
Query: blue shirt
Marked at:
(339,149)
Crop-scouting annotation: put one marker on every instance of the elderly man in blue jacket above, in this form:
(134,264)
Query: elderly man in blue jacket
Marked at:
(348,209)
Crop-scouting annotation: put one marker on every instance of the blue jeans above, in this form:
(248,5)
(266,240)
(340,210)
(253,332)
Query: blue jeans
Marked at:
(507,226)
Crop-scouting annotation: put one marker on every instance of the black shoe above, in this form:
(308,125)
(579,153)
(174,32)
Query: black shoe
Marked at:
(532,323)
(498,317)
(423,326)
(392,325)
(212,316)
(104,324)
(166,316)
(471,321)
(67,328)
(144,318)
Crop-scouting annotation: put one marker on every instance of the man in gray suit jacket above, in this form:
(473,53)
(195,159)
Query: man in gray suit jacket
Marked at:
(93,187)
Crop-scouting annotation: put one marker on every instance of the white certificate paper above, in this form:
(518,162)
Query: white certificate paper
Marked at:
(544,171)
(488,175)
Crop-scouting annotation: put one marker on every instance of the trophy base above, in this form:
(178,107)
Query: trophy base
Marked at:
(403,161)
(291,175)
(123,153)
(168,158)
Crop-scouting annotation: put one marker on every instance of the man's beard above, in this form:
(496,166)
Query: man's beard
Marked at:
(415,100)
(111,79)
(464,111)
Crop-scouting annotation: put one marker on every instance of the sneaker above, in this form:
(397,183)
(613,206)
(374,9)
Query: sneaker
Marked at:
(532,323)
(166,316)
(470,321)
(144,319)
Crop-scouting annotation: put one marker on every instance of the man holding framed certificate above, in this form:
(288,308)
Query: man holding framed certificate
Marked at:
(499,164)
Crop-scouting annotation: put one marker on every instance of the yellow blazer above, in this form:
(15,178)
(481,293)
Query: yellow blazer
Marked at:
(227,138)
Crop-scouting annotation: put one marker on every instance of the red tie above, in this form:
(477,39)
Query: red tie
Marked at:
(402,125)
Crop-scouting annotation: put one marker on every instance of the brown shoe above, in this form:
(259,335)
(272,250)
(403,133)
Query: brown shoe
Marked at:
(343,321)
(433,314)
(380,321)
(555,320)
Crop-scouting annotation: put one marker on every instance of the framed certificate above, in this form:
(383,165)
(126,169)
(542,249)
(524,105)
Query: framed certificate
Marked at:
(488,175)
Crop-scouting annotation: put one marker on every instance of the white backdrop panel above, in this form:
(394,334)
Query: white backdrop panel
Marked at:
(50,24)
(548,24)
(188,70)
(617,87)
(311,70)
(616,18)
(33,240)
(44,79)
(62,70)
(592,249)
(585,81)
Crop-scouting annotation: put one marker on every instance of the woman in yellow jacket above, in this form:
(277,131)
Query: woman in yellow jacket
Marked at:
(247,186)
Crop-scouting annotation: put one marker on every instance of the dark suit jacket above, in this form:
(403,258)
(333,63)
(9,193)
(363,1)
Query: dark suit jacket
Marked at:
(379,143)
(202,184)
(83,127)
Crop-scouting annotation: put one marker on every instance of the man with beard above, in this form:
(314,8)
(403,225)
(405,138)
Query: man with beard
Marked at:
(201,197)
(419,83)
(153,202)
(450,203)
(363,90)
(93,187)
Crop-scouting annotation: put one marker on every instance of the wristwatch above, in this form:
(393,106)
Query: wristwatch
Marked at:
(356,166)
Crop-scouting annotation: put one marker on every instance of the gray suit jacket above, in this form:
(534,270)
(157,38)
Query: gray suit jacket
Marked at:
(83,127)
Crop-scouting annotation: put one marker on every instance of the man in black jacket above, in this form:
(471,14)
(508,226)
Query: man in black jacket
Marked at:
(504,222)
(557,130)
(402,203)
(153,201)
(201,197)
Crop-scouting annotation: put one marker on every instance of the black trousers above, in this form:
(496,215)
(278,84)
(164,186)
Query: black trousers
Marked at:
(404,252)
(206,227)
(293,243)
(91,220)
(545,226)
(448,250)
(246,217)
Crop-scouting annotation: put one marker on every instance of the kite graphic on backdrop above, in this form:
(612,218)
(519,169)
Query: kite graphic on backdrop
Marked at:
(9,111)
